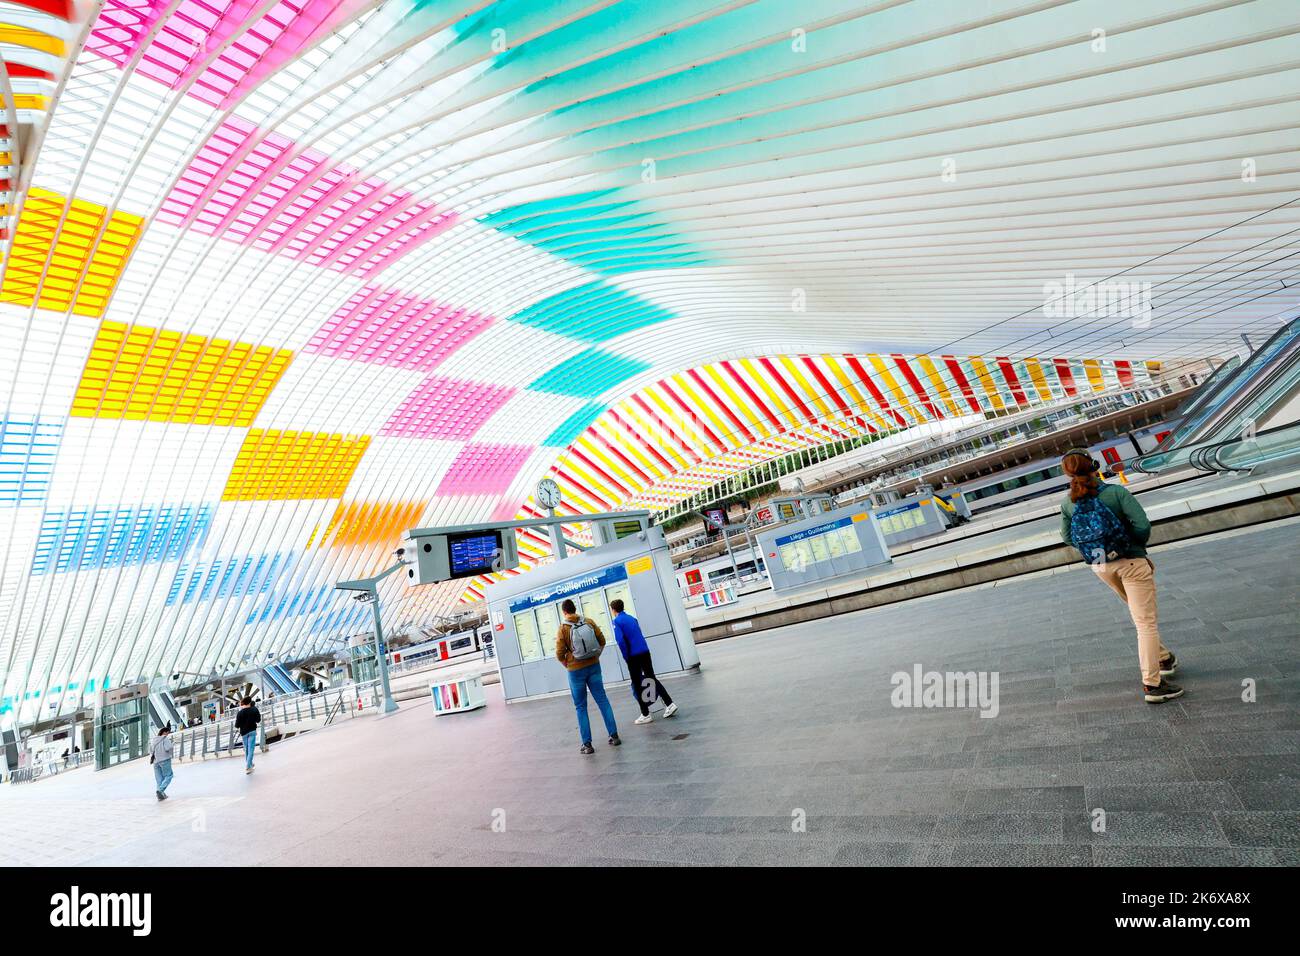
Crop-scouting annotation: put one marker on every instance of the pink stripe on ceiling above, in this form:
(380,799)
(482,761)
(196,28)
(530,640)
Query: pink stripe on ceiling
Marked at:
(181,47)
(484,469)
(446,408)
(388,327)
(262,191)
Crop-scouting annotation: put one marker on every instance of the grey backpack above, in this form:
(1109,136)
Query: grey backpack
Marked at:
(582,640)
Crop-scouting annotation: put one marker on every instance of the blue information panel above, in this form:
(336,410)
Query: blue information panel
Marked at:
(814,532)
(551,592)
(473,553)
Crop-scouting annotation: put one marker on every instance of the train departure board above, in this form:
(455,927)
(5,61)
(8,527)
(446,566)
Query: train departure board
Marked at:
(472,553)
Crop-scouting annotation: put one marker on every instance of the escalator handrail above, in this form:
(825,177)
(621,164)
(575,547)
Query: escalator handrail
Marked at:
(1273,360)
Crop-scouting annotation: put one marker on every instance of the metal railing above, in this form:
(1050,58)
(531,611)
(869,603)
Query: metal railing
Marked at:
(219,738)
(50,768)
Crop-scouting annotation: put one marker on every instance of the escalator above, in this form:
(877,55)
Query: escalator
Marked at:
(280,680)
(1257,396)
(163,710)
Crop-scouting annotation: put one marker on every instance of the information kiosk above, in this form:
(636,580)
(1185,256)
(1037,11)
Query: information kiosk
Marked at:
(824,547)
(524,613)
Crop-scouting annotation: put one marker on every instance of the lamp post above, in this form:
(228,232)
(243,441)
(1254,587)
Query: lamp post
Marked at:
(368,593)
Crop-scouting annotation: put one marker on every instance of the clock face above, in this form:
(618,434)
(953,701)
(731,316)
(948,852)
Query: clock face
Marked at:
(548,493)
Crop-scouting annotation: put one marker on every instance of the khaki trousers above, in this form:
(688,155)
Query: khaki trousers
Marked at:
(1134,580)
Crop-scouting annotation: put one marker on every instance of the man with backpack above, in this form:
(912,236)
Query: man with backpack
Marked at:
(578,644)
(1109,528)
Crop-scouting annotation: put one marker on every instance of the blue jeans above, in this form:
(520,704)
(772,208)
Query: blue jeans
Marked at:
(250,744)
(162,775)
(579,682)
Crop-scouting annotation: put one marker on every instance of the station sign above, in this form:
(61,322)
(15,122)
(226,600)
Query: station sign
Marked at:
(819,529)
(561,589)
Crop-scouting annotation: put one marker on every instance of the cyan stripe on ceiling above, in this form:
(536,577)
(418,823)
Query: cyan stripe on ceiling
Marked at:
(573,426)
(588,374)
(594,312)
(28,446)
(81,539)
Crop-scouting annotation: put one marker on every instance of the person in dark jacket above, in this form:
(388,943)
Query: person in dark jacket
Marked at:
(246,722)
(1131,575)
(646,688)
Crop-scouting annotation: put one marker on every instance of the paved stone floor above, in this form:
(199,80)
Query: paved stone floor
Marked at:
(788,724)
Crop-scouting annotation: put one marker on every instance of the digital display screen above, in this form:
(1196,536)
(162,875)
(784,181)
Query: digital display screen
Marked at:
(472,553)
(716,517)
(627,528)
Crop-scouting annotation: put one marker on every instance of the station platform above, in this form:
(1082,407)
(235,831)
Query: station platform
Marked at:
(1017,540)
(793,722)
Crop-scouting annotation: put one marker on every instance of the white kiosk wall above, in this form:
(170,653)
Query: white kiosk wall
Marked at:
(836,544)
(910,519)
(524,613)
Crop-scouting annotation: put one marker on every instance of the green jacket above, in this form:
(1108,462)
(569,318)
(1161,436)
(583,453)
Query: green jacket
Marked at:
(1120,501)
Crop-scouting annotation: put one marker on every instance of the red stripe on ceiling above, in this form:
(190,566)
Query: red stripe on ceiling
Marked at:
(827,387)
(870,386)
(752,396)
(57,8)
(1125,373)
(726,408)
(1066,375)
(790,393)
(667,429)
(530,535)
(690,413)
(582,489)
(834,394)
(600,470)
(629,430)
(1013,383)
(915,382)
(597,436)
(962,381)
(31,72)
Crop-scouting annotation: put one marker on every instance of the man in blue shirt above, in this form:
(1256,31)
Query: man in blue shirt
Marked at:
(645,686)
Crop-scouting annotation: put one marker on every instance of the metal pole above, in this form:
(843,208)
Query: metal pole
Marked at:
(261,727)
(557,537)
(390,705)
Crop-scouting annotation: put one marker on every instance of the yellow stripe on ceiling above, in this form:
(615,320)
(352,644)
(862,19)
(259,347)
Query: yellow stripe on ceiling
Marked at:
(1039,379)
(1093,369)
(596,483)
(667,449)
(721,428)
(615,438)
(986,381)
(940,386)
(897,397)
(745,410)
(32,39)
(810,393)
(779,404)
(860,403)
(688,435)
(589,448)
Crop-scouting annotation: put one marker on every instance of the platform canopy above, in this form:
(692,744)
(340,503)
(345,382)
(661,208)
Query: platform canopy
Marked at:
(283,279)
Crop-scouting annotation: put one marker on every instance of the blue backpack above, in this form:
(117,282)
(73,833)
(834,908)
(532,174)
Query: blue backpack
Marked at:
(1096,531)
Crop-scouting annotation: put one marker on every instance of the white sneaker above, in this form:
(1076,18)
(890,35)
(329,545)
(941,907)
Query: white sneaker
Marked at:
(643,720)
(670,709)
(248,770)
